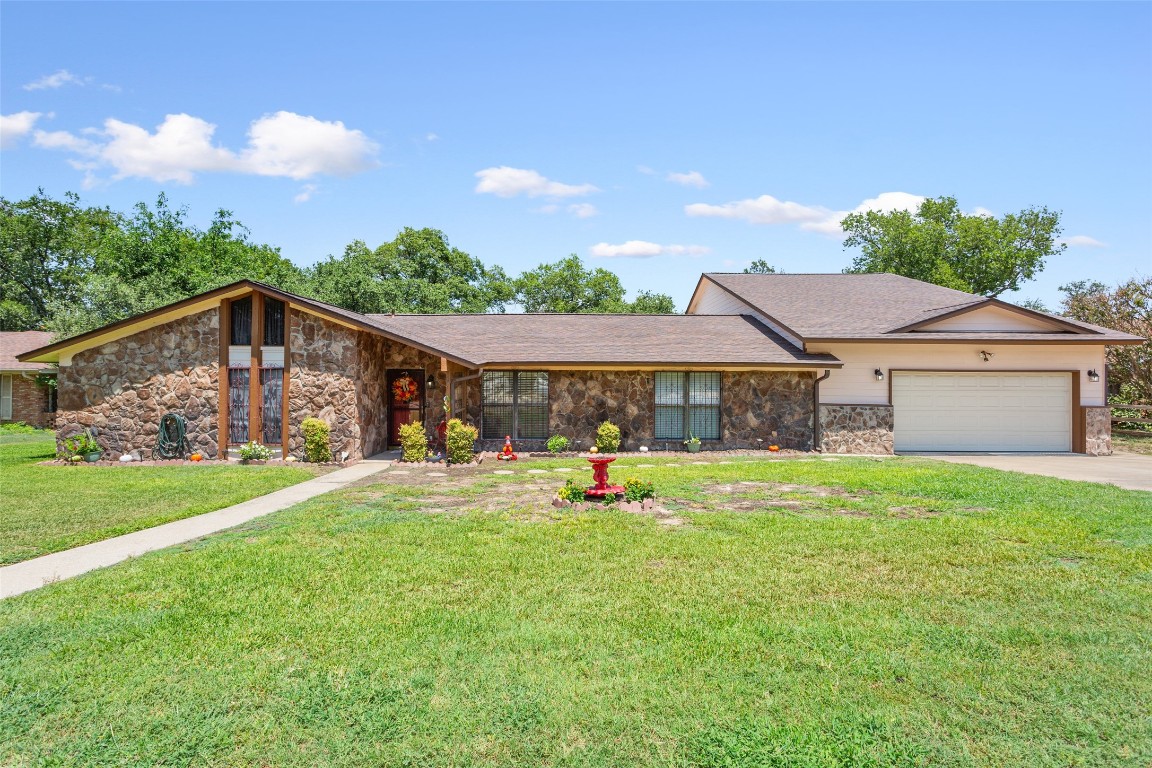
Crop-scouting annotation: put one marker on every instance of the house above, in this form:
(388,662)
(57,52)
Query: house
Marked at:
(27,390)
(842,363)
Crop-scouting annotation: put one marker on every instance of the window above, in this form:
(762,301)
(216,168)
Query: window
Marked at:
(688,404)
(6,396)
(273,322)
(514,403)
(242,322)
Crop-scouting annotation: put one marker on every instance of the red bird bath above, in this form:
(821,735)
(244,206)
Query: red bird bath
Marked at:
(600,475)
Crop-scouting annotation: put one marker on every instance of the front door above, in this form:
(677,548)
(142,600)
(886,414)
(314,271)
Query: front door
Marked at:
(405,400)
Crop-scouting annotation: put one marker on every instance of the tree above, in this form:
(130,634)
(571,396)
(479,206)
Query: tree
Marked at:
(760,267)
(939,244)
(418,272)
(567,286)
(47,249)
(1126,308)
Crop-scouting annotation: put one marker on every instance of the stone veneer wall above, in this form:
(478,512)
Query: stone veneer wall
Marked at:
(775,406)
(1097,431)
(122,388)
(856,429)
(378,356)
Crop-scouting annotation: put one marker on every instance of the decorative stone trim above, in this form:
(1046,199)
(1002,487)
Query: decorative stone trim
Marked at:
(636,507)
(856,429)
(1098,431)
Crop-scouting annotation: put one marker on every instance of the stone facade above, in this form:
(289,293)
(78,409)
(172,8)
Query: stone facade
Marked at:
(339,375)
(121,389)
(1098,431)
(856,429)
(772,406)
(30,401)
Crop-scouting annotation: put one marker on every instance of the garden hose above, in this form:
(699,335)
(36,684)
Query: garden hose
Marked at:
(171,442)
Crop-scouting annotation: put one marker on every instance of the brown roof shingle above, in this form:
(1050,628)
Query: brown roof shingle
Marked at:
(13,343)
(615,340)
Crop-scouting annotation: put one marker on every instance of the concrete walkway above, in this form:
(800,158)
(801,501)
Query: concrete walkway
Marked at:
(1127,470)
(33,574)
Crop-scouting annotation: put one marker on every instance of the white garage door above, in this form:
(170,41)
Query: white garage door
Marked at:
(982,411)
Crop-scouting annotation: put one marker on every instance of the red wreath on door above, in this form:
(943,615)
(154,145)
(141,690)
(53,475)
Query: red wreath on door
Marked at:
(405,389)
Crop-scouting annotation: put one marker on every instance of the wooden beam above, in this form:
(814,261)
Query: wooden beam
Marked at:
(255,392)
(222,411)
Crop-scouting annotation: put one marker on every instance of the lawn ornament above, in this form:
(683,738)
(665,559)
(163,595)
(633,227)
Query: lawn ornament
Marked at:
(593,449)
(126,458)
(600,476)
(196,457)
(774,448)
(506,454)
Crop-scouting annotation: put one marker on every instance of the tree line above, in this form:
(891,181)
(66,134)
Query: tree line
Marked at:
(67,268)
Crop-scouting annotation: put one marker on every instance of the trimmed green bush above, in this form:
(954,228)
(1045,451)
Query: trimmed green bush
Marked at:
(572,491)
(608,438)
(557,444)
(638,490)
(413,441)
(316,440)
(460,439)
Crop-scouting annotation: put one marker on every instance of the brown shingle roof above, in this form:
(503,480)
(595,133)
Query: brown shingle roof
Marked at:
(13,343)
(878,307)
(615,340)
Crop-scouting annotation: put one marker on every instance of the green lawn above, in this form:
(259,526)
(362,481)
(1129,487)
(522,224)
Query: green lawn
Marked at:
(1132,443)
(795,613)
(49,508)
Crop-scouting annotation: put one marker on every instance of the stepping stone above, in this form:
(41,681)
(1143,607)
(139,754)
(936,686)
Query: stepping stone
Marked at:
(645,466)
(829,459)
(563,469)
(399,472)
(437,474)
(503,472)
(537,471)
(701,463)
(671,465)
(725,462)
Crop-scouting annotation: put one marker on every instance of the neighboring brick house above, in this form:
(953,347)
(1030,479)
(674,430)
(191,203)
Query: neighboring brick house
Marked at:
(841,363)
(25,394)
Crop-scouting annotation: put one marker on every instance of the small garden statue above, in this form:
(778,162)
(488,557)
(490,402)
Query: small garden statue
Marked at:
(506,454)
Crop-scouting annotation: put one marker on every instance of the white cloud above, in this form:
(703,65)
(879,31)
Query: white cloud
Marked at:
(57,79)
(430,137)
(642,249)
(767,209)
(583,210)
(16,126)
(305,193)
(982,211)
(504,181)
(690,179)
(1083,241)
(646,170)
(282,144)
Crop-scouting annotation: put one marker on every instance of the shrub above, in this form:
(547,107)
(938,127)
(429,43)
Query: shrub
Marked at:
(413,441)
(316,437)
(79,445)
(572,491)
(459,441)
(18,428)
(254,451)
(557,444)
(608,437)
(638,490)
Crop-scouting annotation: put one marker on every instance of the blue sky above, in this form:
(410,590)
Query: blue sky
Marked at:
(658,140)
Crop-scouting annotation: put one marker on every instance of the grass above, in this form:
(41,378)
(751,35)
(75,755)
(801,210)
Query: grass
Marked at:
(1132,443)
(793,613)
(46,509)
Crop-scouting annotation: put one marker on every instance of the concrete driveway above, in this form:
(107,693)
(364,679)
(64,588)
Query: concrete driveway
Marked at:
(1127,470)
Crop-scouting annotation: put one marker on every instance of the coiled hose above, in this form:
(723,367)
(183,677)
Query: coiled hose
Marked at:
(172,440)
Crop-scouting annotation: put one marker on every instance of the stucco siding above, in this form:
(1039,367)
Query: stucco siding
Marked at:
(992,319)
(856,382)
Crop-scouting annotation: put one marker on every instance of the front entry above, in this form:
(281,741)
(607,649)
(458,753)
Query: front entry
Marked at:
(405,400)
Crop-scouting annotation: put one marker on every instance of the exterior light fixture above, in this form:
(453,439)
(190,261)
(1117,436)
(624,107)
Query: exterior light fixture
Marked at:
(1093,376)
(879,374)
(431,382)
(986,356)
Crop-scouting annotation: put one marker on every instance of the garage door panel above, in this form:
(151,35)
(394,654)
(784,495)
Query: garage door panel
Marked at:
(982,411)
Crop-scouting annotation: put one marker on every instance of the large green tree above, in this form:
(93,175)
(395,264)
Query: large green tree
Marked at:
(940,244)
(418,271)
(48,248)
(567,286)
(1128,308)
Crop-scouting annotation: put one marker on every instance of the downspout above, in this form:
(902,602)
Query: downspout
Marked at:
(816,436)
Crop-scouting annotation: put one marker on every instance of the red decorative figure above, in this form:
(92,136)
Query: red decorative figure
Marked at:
(506,454)
(600,475)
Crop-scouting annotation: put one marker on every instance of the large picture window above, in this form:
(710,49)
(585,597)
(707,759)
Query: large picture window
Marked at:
(514,403)
(688,404)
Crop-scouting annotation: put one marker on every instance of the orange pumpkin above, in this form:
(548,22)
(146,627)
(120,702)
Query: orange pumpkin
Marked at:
(774,448)
(196,457)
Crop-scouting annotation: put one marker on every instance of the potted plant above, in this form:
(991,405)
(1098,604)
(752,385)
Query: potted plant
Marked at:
(82,446)
(692,443)
(253,452)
